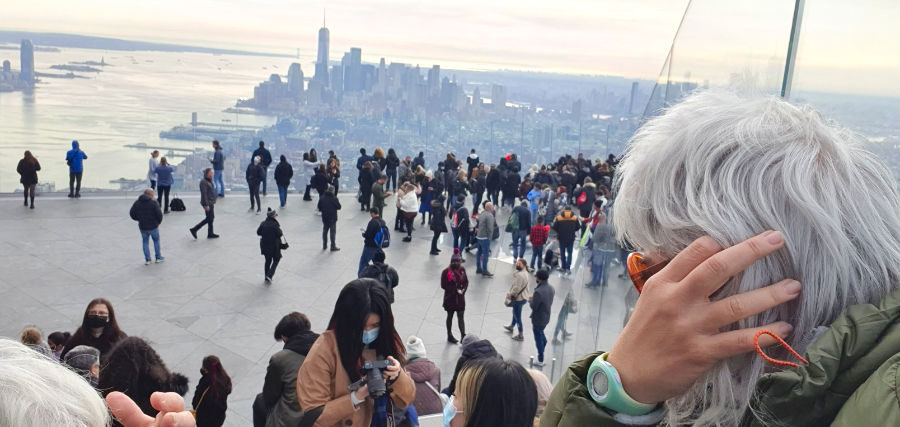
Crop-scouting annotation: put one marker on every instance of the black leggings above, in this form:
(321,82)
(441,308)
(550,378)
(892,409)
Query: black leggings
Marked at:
(459,317)
(408,220)
(29,193)
(164,195)
(254,196)
(437,235)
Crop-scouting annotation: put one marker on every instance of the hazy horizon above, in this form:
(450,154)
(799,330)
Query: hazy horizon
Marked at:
(843,48)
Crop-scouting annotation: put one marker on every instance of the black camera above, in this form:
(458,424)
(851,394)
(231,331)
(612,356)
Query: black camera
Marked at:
(373,377)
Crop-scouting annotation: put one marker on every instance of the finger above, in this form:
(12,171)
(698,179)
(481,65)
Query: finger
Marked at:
(126,411)
(689,258)
(707,278)
(167,402)
(742,306)
(732,343)
(178,419)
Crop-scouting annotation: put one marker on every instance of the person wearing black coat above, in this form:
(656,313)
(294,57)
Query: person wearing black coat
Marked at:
(541,302)
(476,186)
(511,188)
(283,174)
(366,179)
(28,168)
(393,162)
(329,205)
(493,185)
(148,214)
(472,348)
(270,243)
(256,174)
(265,160)
(210,400)
(437,224)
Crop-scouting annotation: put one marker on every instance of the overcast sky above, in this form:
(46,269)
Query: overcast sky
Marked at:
(845,47)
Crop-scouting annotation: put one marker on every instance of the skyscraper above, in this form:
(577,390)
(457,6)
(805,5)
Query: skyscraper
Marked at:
(355,81)
(634,89)
(27,61)
(498,97)
(321,74)
(434,81)
(295,81)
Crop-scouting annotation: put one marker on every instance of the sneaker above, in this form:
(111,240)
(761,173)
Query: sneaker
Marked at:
(556,341)
(70,195)
(194,233)
(434,253)
(452,340)
(508,328)
(212,236)
(487,274)
(407,239)
(268,280)
(568,334)
(147,262)
(537,364)
(518,337)
(479,271)
(335,249)
(160,259)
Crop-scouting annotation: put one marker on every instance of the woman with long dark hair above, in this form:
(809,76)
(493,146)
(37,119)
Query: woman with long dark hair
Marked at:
(134,368)
(361,330)
(455,283)
(492,392)
(99,328)
(211,395)
(28,168)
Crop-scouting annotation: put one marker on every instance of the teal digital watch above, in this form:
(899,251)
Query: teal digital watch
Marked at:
(606,389)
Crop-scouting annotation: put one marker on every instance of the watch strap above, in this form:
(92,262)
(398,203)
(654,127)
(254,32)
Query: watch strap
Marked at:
(614,398)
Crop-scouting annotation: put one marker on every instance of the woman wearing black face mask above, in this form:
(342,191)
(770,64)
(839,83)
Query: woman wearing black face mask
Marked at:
(98,329)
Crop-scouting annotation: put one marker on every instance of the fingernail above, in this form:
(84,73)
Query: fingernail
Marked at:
(775,238)
(793,287)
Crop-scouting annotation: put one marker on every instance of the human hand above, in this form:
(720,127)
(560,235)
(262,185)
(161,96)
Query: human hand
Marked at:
(391,372)
(362,393)
(170,407)
(673,336)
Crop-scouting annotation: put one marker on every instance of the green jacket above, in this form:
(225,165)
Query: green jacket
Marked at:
(853,379)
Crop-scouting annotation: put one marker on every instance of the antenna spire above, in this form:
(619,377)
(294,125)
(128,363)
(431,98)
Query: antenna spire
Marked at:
(323,17)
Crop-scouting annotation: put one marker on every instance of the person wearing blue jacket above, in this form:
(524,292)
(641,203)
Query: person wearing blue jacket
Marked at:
(75,159)
(164,181)
(534,197)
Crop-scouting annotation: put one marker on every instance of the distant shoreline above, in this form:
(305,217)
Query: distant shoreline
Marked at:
(60,40)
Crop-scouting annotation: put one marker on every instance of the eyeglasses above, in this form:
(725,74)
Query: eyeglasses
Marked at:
(640,271)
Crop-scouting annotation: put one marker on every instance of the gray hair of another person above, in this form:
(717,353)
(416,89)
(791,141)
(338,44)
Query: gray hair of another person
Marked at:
(82,358)
(731,167)
(38,391)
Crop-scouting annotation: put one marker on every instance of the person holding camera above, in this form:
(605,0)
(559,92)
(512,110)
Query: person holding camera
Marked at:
(271,243)
(356,363)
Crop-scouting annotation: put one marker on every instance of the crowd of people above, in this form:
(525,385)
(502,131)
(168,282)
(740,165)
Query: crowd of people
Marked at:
(738,207)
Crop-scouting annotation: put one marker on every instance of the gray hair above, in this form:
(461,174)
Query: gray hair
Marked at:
(82,358)
(38,391)
(733,167)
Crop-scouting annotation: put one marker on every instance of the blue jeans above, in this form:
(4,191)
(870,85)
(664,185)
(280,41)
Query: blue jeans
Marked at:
(460,238)
(537,252)
(217,181)
(364,259)
(265,178)
(540,340)
(565,255)
(484,251)
(600,260)
(534,216)
(561,321)
(519,238)
(517,314)
(145,241)
(282,195)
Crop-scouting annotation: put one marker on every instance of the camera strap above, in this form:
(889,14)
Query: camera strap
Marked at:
(389,409)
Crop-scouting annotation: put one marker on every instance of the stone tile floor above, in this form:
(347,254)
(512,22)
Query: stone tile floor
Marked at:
(208,297)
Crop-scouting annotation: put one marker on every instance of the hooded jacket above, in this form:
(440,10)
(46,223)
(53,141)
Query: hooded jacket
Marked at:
(283,173)
(280,386)
(476,350)
(146,212)
(566,227)
(75,158)
(270,237)
(256,174)
(851,380)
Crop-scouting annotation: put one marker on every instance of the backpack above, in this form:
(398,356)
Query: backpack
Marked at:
(512,224)
(456,221)
(177,205)
(582,198)
(383,237)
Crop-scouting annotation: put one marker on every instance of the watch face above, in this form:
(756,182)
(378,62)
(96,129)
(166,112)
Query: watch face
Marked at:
(599,384)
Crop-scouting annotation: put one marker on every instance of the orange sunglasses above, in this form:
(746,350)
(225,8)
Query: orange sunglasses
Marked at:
(640,271)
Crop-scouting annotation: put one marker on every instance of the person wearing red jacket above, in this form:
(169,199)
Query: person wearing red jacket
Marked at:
(538,236)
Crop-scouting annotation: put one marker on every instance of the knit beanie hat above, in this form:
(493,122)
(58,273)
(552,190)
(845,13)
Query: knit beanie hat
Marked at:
(270,213)
(456,258)
(469,339)
(82,358)
(415,347)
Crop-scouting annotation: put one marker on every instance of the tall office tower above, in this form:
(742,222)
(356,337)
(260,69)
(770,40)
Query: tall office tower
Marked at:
(355,81)
(634,89)
(27,60)
(434,81)
(345,71)
(498,97)
(476,98)
(337,78)
(382,77)
(295,81)
(322,57)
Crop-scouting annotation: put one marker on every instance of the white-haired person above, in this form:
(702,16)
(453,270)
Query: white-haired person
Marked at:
(752,216)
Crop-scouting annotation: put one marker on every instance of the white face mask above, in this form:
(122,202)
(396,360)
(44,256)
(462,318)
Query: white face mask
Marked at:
(449,411)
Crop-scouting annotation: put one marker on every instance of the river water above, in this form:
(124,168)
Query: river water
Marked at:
(137,95)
